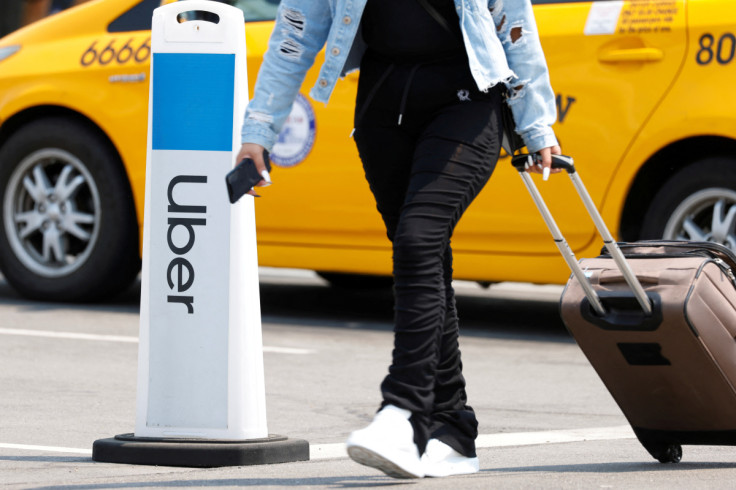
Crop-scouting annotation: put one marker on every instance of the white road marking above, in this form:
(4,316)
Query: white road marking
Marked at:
(67,335)
(286,350)
(555,436)
(50,449)
(328,451)
(337,450)
(120,338)
(334,451)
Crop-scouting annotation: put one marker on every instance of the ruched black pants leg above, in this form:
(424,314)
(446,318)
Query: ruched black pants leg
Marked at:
(424,174)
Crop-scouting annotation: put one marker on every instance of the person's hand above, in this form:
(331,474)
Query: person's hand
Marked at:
(255,153)
(544,161)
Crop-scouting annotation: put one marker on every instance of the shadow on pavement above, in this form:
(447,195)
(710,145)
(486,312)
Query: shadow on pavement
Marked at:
(321,482)
(477,313)
(316,303)
(384,481)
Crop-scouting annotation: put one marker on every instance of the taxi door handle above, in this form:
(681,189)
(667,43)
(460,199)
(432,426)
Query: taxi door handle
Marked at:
(633,54)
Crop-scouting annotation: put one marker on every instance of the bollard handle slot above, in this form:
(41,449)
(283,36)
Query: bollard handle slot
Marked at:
(201,15)
(197,5)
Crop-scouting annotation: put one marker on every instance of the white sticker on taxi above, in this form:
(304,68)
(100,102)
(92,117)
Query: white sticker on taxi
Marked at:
(603,18)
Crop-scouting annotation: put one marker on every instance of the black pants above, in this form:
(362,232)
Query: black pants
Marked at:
(424,173)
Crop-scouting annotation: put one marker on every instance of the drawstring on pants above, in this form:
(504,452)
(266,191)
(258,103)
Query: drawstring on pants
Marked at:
(406,90)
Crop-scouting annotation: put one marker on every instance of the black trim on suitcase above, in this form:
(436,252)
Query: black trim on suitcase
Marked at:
(695,438)
(643,353)
(623,312)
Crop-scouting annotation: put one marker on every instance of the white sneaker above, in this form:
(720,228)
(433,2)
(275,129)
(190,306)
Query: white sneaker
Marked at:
(439,459)
(387,444)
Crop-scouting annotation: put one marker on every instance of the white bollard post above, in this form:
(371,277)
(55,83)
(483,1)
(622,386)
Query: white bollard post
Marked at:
(201,394)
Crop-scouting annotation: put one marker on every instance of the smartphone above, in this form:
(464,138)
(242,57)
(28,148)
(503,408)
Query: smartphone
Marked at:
(243,177)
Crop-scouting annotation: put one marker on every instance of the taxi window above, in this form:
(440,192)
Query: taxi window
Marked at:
(18,13)
(254,10)
(139,17)
(257,10)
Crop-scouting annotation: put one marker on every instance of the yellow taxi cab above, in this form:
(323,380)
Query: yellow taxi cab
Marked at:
(645,106)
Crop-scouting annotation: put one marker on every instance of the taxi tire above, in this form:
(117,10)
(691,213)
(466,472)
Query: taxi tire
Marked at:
(715,175)
(113,262)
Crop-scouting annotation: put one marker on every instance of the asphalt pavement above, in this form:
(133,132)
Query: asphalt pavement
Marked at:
(68,378)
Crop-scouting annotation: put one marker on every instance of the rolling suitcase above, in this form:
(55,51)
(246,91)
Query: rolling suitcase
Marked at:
(657,320)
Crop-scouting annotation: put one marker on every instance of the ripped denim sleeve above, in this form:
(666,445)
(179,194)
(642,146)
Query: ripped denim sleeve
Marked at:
(300,32)
(530,94)
(291,23)
(513,33)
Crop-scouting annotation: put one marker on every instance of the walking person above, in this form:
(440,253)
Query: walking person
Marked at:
(434,75)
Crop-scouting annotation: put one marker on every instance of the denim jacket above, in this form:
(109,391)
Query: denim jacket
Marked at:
(500,40)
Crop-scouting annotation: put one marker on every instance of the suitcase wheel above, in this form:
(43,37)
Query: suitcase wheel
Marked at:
(665,453)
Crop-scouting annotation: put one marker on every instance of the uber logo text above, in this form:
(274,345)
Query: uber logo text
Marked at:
(180,263)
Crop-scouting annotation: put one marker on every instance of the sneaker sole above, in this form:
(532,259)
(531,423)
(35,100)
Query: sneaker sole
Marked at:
(452,472)
(454,467)
(374,460)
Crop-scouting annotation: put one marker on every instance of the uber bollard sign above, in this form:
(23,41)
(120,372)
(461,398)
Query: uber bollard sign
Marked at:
(200,366)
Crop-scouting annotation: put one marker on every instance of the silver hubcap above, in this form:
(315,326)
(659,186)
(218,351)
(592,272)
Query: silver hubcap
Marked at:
(51,212)
(708,215)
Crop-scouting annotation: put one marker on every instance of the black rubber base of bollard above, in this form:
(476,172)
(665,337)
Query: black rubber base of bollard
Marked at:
(201,453)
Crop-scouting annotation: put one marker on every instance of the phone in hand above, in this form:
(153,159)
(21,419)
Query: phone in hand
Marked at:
(244,177)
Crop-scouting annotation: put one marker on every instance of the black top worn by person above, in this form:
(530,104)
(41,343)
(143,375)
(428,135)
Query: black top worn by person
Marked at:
(410,31)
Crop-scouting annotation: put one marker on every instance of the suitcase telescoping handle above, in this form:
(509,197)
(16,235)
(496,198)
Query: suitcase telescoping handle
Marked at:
(521,163)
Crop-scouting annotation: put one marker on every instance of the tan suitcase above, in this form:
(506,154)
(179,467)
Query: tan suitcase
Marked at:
(672,368)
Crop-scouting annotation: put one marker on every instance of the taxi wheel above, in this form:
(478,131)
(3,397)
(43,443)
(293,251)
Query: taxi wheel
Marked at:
(69,230)
(698,203)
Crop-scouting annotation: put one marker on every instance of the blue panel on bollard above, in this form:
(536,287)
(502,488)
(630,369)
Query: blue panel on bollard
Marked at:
(193,101)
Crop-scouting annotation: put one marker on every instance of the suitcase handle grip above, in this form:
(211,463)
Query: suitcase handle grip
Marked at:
(566,162)
(524,161)
(624,313)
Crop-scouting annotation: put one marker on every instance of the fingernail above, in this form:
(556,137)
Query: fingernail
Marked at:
(266,177)
(545,173)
